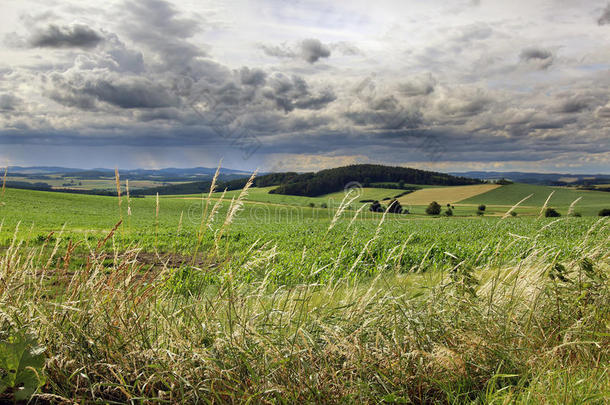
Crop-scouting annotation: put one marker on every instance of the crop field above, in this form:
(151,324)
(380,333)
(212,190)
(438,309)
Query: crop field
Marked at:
(262,298)
(589,204)
(446,195)
(75,183)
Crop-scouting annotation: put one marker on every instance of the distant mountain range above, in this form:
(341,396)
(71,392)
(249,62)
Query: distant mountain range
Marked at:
(194,180)
(170,171)
(539,178)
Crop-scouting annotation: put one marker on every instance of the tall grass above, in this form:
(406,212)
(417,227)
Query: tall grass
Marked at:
(117,331)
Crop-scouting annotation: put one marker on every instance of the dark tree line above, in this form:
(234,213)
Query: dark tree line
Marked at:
(332,180)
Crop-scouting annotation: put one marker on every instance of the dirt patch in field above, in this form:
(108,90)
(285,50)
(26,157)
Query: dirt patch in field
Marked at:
(445,195)
(172,260)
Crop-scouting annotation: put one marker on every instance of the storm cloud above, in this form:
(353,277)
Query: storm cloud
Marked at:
(541,58)
(519,85)
(75,36)
(310,50)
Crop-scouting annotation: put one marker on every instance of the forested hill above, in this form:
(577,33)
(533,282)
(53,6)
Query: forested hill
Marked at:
(332,180)
(324,181)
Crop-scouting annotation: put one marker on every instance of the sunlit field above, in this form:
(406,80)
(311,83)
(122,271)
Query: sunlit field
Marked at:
(225,300)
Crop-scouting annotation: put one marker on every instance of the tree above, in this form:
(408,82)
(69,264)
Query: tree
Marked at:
(395,207)
(449,212)
(311,205)
(376,207)
(323,205)
(434,208)
(401,183)
(604,212)
(482,207)
(551,213)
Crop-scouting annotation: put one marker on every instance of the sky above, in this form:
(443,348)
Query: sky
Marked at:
(277,85)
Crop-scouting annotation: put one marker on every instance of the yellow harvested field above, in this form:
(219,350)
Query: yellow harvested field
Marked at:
(445,195)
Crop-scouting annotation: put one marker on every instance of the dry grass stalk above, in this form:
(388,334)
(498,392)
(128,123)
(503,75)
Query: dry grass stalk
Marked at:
(117,179)
(507,214)
(156,219)
(545,204)
(342,208)
(204,214)
(356,215)
(128,198)
(571,208)
(235,207)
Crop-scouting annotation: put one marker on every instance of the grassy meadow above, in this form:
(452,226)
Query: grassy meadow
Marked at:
(254,297)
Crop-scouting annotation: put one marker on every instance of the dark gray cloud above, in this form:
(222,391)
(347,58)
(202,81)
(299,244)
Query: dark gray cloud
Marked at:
(573,105)
(310,50)
(74,36)
(540,58)
(130,94)
(9,102)
(605,17)
(252,77)
(122,93)
(289,93)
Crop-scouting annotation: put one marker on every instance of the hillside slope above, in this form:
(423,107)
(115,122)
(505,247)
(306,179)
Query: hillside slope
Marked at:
(333,180)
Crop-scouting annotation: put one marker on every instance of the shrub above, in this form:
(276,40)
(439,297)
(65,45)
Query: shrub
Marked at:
(395,207)
(482,207)
(479,212)
(551,213)
(449,212)
(513,214)
(311,205)
(434,208)
(323,205)
(604,212)
(376,207)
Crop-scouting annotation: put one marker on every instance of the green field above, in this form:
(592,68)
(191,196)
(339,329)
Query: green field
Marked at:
(273,301)
(332,200)
(590,203)
(76,183)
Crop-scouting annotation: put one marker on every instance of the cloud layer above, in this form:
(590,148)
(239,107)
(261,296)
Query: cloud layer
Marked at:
(452,86)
